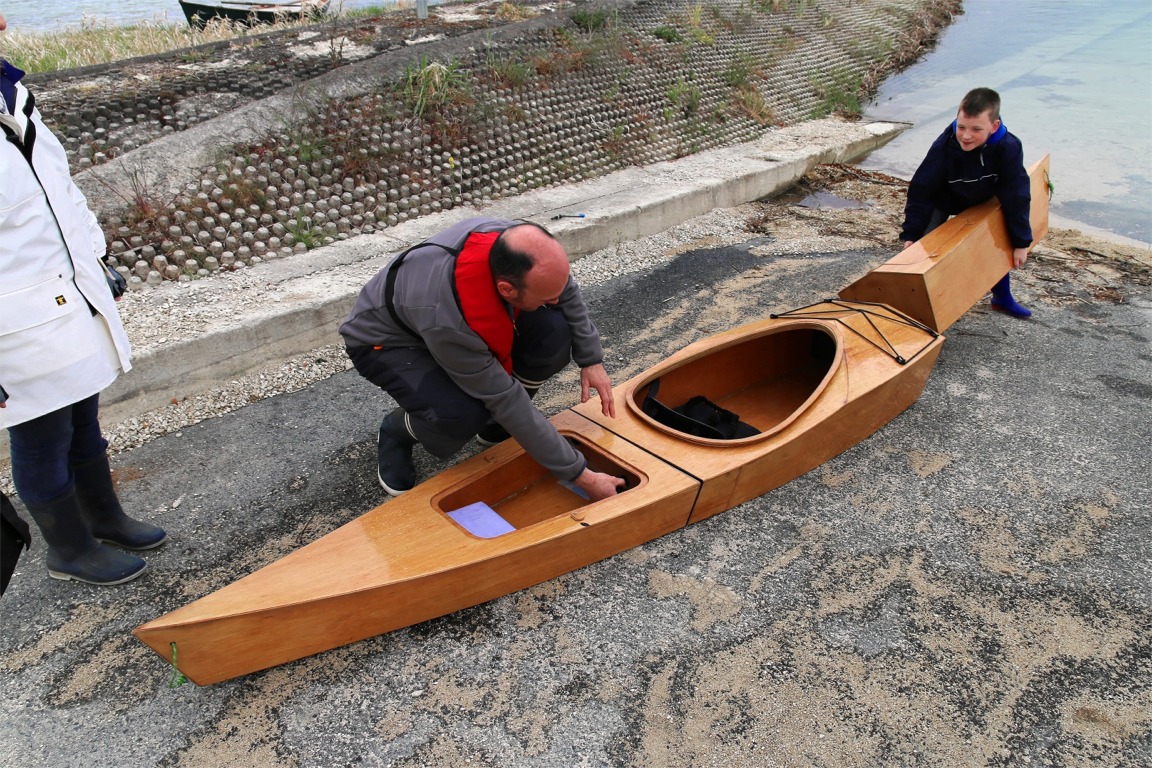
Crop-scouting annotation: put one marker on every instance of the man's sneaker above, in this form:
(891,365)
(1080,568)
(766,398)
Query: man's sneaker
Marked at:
(394,463)
(492,434)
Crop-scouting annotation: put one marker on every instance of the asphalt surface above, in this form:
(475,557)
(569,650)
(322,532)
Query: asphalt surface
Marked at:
(971,586)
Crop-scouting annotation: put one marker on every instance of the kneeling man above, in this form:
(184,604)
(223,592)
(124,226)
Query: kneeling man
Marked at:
(462,330)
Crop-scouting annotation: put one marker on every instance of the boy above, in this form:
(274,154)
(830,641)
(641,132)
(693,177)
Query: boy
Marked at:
(974,159)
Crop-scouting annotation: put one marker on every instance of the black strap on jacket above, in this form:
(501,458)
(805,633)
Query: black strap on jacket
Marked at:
(390,283)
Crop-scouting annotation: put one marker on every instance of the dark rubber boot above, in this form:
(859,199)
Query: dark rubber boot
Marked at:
(493,433)
(1003,301)
(73,553)
(103,513)
(394,447)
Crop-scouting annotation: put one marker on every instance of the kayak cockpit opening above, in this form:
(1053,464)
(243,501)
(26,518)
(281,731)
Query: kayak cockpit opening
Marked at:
(741,390)
(520,493)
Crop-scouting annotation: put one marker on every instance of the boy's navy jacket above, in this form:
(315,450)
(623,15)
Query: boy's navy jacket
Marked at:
(952,180)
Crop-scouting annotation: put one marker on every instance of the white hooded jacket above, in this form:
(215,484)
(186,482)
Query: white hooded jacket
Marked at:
(61,339)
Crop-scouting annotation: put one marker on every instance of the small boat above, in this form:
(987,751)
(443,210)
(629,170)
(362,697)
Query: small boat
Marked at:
(251,13)
(724,420)
(809,383)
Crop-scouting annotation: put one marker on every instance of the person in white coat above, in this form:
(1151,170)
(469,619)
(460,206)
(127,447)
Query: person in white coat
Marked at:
(61,344)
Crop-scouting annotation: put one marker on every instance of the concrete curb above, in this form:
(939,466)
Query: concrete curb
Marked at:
(317,291)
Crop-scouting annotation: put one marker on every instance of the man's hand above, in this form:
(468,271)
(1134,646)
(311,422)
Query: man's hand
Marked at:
(595,377)
(597,484)
(908,244)
(1019,256)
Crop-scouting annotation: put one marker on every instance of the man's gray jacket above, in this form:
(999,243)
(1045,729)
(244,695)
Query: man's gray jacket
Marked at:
(425,300)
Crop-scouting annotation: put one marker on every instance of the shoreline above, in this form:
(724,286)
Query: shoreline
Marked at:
(1098,233)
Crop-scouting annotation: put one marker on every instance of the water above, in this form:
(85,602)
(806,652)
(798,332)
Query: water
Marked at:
(49,15)
(1075,77)
(1075,80)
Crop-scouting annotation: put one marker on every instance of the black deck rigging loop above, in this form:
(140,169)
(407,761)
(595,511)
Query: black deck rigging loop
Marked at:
(862,308)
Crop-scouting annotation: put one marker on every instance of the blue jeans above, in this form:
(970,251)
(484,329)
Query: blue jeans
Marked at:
(45,449)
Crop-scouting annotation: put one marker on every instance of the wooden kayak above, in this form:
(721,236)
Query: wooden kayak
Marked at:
(789,393)
(409,560)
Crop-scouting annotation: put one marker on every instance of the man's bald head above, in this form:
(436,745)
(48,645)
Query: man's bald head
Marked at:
(529,265)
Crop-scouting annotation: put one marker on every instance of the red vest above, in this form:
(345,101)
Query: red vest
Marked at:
(483,309)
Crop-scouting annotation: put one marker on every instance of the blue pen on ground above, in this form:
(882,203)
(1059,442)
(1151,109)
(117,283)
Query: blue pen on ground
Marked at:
(568,216)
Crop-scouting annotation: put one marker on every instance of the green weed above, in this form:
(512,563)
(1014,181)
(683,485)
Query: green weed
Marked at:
(748,99)
(740,70)
(305,233)
(590,20)
(431,85)
(685,96)
(839,94)
(509,72)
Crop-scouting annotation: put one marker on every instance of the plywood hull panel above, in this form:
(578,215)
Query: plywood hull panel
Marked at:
(406,561)
(864,388)
(940,277)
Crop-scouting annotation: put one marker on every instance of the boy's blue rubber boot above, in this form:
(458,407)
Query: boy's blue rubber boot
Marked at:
(1003,301)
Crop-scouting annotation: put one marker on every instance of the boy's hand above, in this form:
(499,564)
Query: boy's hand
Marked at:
(1019,256)
(907,244)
